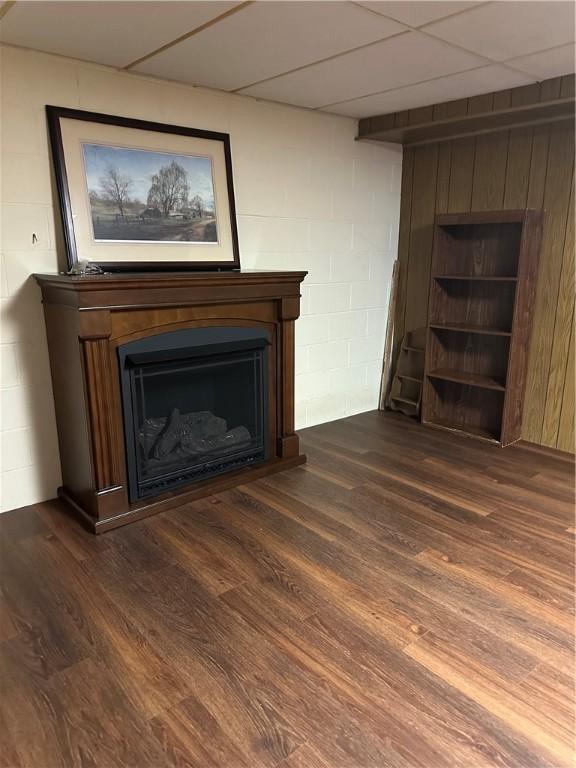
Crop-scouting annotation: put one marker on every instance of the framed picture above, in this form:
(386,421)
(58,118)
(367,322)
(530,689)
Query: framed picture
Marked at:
(137,195)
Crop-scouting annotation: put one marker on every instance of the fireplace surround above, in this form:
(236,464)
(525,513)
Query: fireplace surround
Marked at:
(169,386)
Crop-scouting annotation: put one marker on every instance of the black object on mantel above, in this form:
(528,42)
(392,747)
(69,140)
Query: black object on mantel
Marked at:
(183,331)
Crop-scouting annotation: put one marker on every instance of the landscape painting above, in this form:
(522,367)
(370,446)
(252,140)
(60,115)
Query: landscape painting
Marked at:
(140,195)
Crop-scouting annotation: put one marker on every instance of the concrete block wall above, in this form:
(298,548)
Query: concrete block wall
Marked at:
(308,197)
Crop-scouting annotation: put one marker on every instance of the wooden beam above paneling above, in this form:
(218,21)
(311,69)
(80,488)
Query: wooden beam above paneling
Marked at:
(386,127)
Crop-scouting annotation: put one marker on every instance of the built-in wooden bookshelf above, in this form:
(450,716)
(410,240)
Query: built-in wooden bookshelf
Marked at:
(482,288)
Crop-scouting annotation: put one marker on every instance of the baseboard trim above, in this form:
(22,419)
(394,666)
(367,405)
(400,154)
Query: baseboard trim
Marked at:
(141,511)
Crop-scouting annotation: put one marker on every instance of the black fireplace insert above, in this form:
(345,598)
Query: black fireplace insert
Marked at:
(195,404)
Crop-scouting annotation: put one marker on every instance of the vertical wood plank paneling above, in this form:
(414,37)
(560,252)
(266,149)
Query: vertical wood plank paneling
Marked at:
(566,422)
(420,251)
(450,109)
(502,99)
(489,160)
(538,166)
(561,337)
(490,171)
(420,115)
(525,94)
(520,152)
(461,173)
(443,112)
(568,86)
(421,236)
(462,166)
(479,104)
(550,89)
(445,150)
(556,202)
(400,119)
(518,168)
(525,167)
(443,177)
(403,247)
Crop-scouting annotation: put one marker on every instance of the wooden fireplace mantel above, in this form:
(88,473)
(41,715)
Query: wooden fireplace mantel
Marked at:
(89,317)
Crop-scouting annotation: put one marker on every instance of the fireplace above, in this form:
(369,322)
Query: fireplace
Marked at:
(194,405)
(169,386)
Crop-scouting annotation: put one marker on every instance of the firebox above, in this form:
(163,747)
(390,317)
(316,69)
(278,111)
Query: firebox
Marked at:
(195,404)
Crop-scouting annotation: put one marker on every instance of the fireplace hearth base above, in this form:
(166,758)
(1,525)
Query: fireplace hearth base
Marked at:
(91,319)
(196,491)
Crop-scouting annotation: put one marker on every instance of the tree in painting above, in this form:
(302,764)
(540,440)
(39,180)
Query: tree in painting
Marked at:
(169,189)
(115,188)
(145,195)
(197,205)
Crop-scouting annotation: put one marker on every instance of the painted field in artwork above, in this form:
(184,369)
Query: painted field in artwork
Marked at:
(139,195)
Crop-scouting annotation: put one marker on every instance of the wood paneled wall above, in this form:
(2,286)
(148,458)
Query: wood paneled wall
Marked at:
(523,167)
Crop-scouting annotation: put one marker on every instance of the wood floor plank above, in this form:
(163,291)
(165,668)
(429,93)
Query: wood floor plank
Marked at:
(555,693)
(305,646)
(252,561)
(473,600)
(495,542)
(541,589)
(304,757)
(400,607)
(39,606)
(109,635)
(191,737)
(343,510)
(372,676)
(78,717)
(215,653)
(522,603)
(60,521)
(406,600)
(496,697)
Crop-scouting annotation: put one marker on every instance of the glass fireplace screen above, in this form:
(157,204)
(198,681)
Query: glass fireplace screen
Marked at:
(195,405)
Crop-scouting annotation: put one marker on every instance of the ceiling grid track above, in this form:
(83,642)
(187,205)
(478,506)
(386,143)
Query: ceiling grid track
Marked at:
(352,58)
(191,33)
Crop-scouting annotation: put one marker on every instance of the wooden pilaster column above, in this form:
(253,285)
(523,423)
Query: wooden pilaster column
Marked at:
(102,399)
(288,442)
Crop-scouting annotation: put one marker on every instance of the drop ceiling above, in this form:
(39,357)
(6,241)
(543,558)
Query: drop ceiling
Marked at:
(348,58)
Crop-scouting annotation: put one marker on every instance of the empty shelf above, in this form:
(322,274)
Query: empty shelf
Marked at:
(467,328)
(487,278)
(465,429)
(471,379)
(405,400)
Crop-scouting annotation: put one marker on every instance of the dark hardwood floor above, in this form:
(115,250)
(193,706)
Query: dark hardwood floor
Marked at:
(405,599)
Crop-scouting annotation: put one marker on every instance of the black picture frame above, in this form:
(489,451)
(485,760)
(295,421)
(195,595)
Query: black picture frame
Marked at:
(56,114)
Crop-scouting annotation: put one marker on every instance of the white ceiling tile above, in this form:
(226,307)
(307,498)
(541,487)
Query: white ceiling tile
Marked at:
(558,61)
(251,49)
(113,33)
(416,12)
(403,60)
(503,30)
(472,83)
(267,39)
